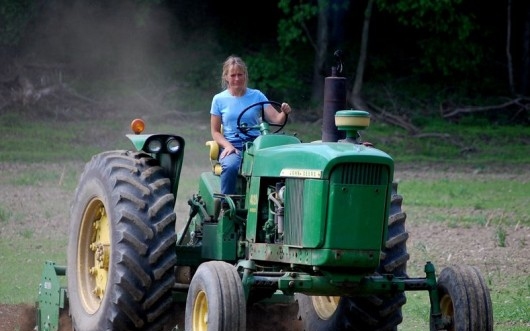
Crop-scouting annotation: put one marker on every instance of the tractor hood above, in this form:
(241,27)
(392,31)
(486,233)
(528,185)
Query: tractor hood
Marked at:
(307,160)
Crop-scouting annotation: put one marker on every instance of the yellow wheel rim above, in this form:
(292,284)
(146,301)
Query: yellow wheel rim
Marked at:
(200,312)
(447,310)
(325,306)
(93,255)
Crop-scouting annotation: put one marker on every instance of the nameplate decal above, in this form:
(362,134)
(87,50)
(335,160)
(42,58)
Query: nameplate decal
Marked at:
(301,173)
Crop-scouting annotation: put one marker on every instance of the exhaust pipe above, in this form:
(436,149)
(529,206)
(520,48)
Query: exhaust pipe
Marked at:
(334,100)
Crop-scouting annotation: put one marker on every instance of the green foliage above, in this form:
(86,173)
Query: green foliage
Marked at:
(440,28)
(445,56)
(275,76)
(500,234)
(434,15)
(291,27)
(5,214)
(446,27)
(15,16)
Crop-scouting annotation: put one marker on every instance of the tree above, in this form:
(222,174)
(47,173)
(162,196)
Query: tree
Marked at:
(15,16)
(525,53)
(318,23)
(356,97)
(444,27)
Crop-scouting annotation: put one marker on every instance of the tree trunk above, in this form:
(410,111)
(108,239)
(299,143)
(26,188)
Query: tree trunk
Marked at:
(322,43)
(525,72)
(509,65)
(356,97)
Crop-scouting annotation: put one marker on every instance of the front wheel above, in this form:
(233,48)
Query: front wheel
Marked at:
(465,301)
(216,299)
(121,245)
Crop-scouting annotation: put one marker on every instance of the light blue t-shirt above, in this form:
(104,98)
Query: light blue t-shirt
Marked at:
(229,107)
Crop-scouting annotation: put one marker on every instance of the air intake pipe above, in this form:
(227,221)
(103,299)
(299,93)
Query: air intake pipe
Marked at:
(334,100)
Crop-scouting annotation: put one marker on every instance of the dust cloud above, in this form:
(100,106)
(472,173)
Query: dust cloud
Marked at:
(119,38)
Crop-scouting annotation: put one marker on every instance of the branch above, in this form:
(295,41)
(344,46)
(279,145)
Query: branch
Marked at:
(308,35)
(75,94)
(522,102)
(384,116)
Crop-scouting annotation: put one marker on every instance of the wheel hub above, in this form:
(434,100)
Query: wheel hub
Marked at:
(325,306)
(200,312)
(93,255)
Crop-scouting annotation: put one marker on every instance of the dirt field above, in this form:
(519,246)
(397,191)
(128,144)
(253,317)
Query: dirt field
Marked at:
(439,243)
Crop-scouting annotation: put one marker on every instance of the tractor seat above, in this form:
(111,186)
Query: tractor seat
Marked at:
(214,157)
(217,169)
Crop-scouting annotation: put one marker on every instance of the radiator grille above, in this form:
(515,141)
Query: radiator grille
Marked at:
(293,227)
(347,173)
(359,174)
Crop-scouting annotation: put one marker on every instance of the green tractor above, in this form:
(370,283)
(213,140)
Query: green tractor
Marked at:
(315,224)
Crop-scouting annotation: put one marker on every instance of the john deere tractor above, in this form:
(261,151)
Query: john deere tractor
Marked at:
(318,224)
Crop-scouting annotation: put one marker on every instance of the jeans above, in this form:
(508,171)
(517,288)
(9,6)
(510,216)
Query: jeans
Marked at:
(230,165)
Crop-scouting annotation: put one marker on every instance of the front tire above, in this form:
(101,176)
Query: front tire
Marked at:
(382,312)
(465,301)
(121,244)
(216,299)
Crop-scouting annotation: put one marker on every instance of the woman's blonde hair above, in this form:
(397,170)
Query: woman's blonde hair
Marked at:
(233,61)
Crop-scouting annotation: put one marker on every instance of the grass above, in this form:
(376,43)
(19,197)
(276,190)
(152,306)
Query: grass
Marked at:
(65,176)
(458,201)
(474,144)
(26,256)
(500,202)
(5,214)
(25,141)
(468,200)
(510,295)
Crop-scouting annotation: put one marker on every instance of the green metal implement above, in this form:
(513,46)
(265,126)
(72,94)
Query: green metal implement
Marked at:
(51,298)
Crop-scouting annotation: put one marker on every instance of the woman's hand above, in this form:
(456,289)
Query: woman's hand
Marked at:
(228,150)
(273,116)
(285,108)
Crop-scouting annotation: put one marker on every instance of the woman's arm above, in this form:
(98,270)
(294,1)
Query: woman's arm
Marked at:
(275,117)
(217,135)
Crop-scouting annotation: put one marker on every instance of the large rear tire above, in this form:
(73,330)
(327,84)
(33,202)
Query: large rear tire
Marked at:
(465,301)
(121,245)
(216,299)
(371,313)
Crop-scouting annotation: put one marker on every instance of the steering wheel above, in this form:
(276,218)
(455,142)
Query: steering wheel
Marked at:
(244,128)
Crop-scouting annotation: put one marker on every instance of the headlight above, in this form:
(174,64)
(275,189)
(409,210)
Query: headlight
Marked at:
(154,146)
(172,145)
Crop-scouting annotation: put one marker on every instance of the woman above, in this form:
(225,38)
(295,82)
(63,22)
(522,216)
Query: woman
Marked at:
(226,107)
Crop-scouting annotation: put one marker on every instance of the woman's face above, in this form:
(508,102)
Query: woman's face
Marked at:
(236,78)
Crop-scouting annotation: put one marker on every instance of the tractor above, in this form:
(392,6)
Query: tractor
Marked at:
(316,224)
